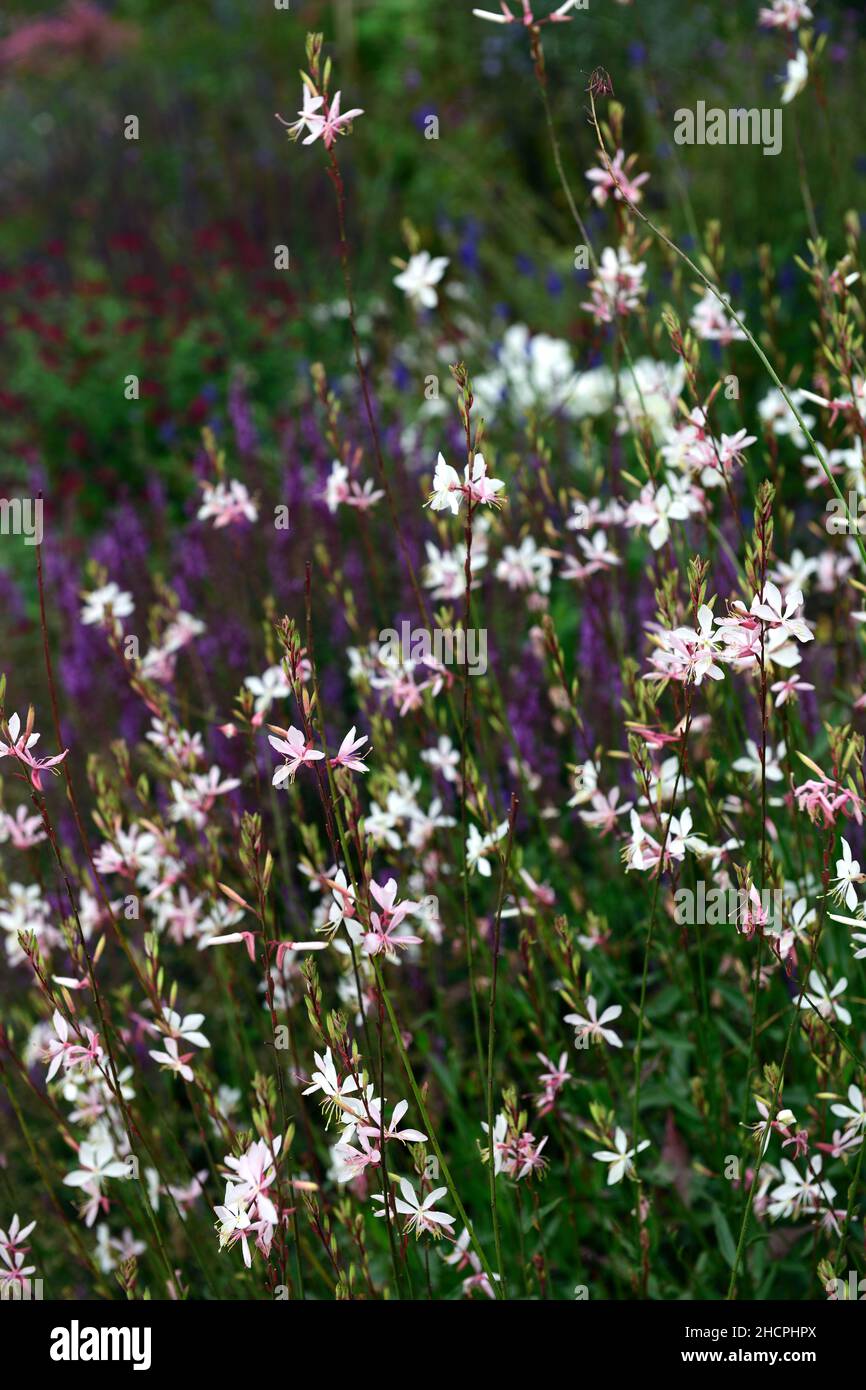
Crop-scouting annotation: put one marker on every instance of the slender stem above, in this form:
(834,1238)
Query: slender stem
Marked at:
(419,1101)
(767,364)
(491,1040)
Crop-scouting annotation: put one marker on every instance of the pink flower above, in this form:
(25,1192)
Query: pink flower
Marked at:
(711,322)
(355,1160)
(687,654)
(753,916)
(552,1080)
(559,16)
(284,947)
(605,811)
(18,745)
(322,120)
(334,124)
(822,800)
(233,939)
(380,939)
(297,753)
(615,181)
(24,831)
(449,492)
(13,1252)
(255,1173)
(478,487)
(542,892)
(61,1052)
(787,690)
(16,1234)
(345,756)
(17,1273)
(618,286)
(81,30)
(516,1153)
(226,503)
(785,14)
(732,446)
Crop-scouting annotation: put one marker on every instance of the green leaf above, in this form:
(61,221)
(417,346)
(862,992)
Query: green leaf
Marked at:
(723,1231)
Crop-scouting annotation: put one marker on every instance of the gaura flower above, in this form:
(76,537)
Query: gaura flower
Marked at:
(297,753)
(421,274)
(507,16)
(594,1026)
(320,119)
(620,1158)
(18,745)
(421,1215)
(448,491)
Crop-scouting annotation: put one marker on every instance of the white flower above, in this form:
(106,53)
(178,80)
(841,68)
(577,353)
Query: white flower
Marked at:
(751,762)
(796,572)
(681,838)
(537,372)
(446,488)
(173,1061)
(270,686)
(592,393)
(657,510)
(525,567)
(234,1223)
(594,1026)
(796,76)
(797,1193)
(620,1159)
(310,118)
(226,503)
(391,1131)
(96,1163)
(325,1079)
(444,758)
(617,288)
(421,274)
(186,1029)
(478,846)
(445,571)
(109,600)
(650,392)
(764,1126)
(847,874)
(605,810)
(17,1233)
(585,783)
(817,997)
(711,322)
(500,1136)
(421,1215)
(854,1114)
(775,412)
(768,607)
